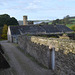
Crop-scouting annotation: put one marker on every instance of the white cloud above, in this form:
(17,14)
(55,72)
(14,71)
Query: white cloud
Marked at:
(21,4)
(36,7)
(34,4)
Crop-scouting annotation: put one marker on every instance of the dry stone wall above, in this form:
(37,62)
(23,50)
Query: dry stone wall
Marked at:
(39,52)
(59,44)
(39,47)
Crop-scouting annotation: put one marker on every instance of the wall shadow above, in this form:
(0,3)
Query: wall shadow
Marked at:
(3,63)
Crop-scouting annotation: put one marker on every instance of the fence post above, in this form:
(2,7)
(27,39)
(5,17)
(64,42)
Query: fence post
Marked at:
(53,58)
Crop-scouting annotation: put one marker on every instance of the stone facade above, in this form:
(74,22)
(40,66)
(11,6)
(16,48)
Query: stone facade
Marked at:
(39,47)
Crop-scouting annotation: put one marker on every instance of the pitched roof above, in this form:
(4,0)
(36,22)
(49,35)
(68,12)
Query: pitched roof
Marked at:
(39,29)
(63,28)
(14,30)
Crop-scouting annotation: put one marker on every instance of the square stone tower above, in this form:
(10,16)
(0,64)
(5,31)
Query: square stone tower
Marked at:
(25,20)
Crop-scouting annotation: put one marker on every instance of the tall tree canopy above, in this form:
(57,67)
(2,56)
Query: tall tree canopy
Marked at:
(6,19)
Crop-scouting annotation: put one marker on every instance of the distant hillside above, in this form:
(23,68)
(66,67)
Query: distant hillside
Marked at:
(36,21)
(67,20)
(72,22)
(20,22)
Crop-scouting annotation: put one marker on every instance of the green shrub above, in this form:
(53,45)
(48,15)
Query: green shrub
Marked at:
(4,32)
(73,27)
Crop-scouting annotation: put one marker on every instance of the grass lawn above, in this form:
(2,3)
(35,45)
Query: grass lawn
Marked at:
(69,25)
(50,23)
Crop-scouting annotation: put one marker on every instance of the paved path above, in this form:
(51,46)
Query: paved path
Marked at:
(20,64)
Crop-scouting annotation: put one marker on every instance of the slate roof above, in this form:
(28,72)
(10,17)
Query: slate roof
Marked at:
(50,28)
(63,28)
(32,29)
(39,29)
(14,30)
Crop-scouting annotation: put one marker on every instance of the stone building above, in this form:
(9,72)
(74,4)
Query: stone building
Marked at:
(15,31)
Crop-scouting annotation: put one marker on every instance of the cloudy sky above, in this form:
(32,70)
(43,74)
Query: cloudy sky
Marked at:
(38,9)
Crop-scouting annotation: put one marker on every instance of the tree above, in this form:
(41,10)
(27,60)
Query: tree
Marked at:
(66,19)
(57,20)
(68,16)
(6,19)
(44,23)
(4,31)
(13,21)
(54,22)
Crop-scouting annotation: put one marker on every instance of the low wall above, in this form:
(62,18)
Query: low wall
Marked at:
(39,52)
(59,44)
(39,47)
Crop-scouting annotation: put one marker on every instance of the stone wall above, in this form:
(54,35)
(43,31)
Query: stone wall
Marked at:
(39,47)
(39,52)
(60,44)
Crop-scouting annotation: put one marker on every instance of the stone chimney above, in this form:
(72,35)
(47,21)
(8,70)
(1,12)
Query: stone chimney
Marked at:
(24,20)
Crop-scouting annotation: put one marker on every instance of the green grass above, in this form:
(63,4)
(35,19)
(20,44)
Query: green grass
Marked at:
(50,23)
(72,19)
(69,25)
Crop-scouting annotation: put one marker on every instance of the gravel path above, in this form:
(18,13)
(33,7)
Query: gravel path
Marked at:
(20,64)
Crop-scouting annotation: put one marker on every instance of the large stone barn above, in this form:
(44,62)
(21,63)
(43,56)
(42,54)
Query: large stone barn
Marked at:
(15,31)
